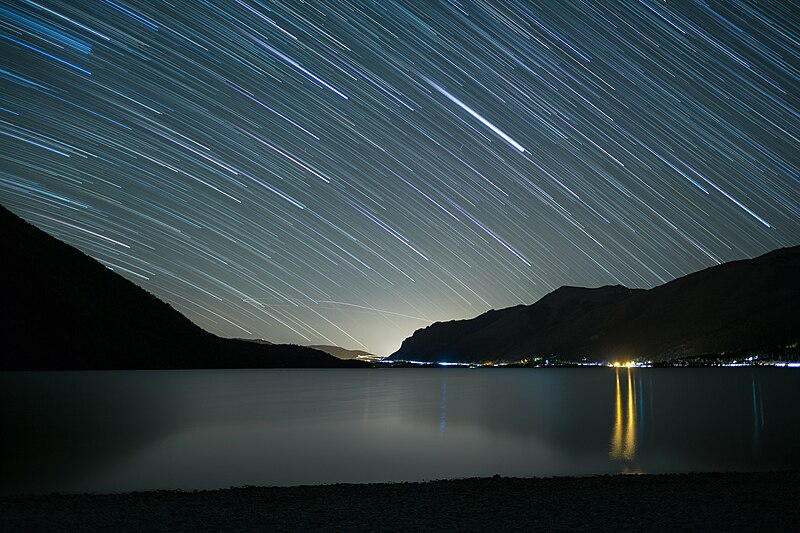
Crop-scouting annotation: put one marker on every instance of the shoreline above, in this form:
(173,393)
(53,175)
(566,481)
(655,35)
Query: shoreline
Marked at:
(764,501)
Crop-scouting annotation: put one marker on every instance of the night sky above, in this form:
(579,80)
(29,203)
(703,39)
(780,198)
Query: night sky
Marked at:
(337,172)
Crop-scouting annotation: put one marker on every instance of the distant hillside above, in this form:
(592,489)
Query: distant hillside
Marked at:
(336,351)
(741,305)
(341,353)
(257,341)
(63,310)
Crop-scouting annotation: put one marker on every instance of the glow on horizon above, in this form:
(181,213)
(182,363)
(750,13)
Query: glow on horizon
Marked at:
(477,116)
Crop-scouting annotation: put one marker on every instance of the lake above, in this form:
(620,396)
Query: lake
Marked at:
(121,431)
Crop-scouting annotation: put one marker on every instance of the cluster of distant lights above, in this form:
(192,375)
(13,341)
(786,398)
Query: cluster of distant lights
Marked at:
(751,361)
(547,362)
(631,364)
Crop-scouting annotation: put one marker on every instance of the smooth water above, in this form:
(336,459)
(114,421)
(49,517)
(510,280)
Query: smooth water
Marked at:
(121,431)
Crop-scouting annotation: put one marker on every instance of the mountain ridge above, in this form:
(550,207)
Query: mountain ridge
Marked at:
(341,353)
(744,304)
(63,310)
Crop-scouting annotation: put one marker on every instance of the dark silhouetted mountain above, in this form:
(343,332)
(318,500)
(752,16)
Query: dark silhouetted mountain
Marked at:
(257,341)
(336,351)
(341,353)
(742,305)
(63,310)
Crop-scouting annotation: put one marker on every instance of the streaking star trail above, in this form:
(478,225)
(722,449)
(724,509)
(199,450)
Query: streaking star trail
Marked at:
(476,116)
(342,172)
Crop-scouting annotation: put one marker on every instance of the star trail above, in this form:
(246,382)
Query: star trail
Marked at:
(345,172)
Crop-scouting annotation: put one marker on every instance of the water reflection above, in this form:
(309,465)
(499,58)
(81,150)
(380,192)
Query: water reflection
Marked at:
(623,435)
(616,435)
(443,408)
(758,416)
(119,431)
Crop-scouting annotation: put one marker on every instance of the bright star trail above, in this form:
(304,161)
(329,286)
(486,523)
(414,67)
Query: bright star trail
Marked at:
(482,120)
(340,172)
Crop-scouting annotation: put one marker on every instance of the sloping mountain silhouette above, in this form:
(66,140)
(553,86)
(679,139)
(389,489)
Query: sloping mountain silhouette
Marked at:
(62,310)
(740,305)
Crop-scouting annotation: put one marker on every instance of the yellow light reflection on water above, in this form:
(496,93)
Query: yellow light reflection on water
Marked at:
(630,434)
(616,434)
(623,434)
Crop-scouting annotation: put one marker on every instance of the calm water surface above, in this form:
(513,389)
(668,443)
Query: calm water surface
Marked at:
(121,431)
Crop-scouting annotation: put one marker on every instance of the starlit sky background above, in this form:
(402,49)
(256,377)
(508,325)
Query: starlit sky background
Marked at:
(345,172)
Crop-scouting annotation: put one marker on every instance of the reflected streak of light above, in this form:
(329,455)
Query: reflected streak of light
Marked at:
(623,438)
(630,431)
(616,438)
(443,409)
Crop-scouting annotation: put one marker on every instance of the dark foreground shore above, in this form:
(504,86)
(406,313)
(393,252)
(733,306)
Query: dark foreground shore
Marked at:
(700,502)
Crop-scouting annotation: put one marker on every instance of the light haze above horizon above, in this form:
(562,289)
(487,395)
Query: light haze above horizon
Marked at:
(345,172)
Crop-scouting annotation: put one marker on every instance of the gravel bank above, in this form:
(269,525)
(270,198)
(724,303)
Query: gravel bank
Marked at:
(701,502)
